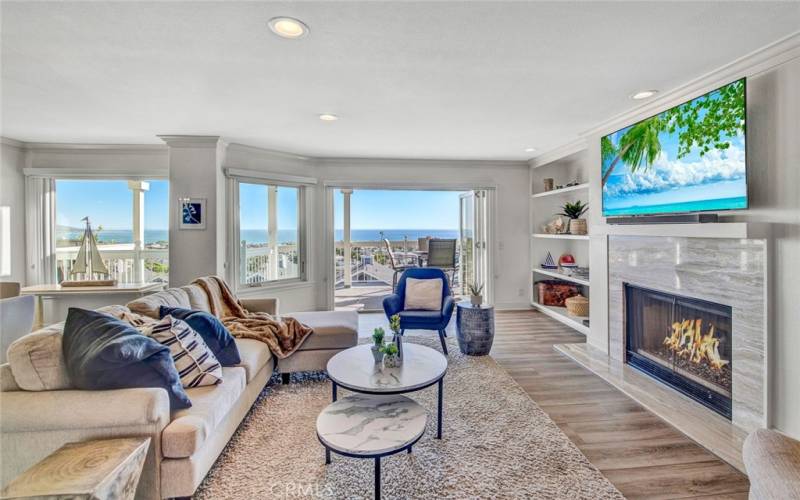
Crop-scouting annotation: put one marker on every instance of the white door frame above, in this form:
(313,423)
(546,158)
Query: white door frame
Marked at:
(328,217)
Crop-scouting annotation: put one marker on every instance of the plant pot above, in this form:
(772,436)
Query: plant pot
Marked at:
(398,341)
(391,361)
(577,226)
(377,355)
(476,300)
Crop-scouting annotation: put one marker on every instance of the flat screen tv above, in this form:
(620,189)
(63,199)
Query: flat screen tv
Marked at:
(690,158)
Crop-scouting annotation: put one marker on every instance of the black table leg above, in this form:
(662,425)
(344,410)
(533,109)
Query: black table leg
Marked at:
(439,420)
(409,450)
(333,388)
(377,478)
(327,456)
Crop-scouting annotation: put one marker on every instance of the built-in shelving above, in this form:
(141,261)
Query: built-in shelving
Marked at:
(736,230)
(561,314)
(569,189)
(561,276)
(562,236)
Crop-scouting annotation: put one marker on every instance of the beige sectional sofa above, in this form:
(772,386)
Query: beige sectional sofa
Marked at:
(40,411)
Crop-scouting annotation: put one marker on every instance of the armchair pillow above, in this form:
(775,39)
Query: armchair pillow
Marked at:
(211,329)
(102,352)
(424,294)
(196,364)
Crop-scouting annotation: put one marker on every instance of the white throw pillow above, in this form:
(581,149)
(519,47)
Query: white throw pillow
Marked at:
(37,360)
(424,294)
(196,364)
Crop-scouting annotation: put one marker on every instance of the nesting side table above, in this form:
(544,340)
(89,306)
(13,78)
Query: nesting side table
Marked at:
(474,328)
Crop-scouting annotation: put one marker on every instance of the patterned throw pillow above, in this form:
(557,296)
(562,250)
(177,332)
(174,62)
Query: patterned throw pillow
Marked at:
(196,364)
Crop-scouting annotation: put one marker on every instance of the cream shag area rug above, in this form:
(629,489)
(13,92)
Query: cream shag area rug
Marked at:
(497,443)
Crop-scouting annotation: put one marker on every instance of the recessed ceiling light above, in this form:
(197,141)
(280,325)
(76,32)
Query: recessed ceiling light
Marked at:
(530,150)
(328,117)
(644,94)
(288,27)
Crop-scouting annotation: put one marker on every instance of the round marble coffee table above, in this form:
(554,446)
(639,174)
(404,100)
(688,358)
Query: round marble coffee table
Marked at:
(355,370)
(371,426)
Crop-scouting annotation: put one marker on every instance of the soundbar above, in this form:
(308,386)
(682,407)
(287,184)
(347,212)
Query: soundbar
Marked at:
(665,219)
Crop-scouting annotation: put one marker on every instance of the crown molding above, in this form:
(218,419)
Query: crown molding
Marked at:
(395,162)
(558,153)
(749,65)
(191,141)
(12,143)
(272,153)
(63,148)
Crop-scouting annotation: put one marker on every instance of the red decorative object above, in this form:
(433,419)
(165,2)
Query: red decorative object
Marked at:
(567,260)
(555,292)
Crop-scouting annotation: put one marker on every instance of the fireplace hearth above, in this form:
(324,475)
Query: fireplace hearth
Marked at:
(683,342)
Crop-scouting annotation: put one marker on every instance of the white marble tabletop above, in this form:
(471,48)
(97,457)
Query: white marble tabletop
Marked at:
(356,369)
(371,424)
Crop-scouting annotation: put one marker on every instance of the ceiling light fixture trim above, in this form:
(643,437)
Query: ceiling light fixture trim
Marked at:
(288,27)
(328,117)
(644,94)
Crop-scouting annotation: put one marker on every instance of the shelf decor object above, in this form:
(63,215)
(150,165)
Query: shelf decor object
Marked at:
(577,305)
(549,263)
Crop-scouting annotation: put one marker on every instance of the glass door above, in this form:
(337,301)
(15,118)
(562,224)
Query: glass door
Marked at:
(472,237)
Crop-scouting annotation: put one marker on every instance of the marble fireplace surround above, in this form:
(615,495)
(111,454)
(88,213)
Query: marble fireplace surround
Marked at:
(723,270)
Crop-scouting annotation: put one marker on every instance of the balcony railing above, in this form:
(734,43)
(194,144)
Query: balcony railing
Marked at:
(258,264)
(120,259)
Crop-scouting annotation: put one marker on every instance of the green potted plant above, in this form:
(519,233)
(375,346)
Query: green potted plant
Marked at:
(397,337)
(574,211)
(377,344)
(391,358)
(475,294)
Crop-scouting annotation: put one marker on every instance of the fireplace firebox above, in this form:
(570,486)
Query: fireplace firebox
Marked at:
(683,342)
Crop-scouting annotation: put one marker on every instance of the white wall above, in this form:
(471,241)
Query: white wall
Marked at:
(773,151)
(12,194)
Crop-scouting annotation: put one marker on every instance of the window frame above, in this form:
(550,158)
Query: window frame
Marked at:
(234,233)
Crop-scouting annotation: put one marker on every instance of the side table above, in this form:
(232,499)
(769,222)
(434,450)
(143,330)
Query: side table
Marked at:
(102,468)
(474,328)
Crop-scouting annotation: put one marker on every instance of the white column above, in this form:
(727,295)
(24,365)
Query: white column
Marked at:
(348,276)
(138,189)
(272,217)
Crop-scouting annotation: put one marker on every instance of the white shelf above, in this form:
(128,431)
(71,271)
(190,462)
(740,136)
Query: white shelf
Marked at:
(560,314)
(736,230)
(562,276)
(561,191)
(562,236)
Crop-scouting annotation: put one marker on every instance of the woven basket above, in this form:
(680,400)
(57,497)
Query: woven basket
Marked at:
(578,226)
(578,305)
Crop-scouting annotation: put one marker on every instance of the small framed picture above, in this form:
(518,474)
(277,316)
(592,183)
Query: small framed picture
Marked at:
(193,213)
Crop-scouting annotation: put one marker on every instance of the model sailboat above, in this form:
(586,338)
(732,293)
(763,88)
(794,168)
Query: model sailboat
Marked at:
(89,262)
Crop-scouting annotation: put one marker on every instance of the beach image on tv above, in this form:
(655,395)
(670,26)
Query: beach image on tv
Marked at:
(690,158)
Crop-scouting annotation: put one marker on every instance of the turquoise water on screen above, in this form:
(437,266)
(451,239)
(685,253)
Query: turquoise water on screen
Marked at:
(735,203)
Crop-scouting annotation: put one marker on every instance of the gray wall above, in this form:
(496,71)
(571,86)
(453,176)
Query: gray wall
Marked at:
(12,194)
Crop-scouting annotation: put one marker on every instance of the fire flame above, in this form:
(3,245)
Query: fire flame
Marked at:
(688,341)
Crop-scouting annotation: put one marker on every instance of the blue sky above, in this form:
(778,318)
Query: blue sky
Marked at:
(253,207)
(396,209)
(109,204)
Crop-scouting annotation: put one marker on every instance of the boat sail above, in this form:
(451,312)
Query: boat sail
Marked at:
(89,262)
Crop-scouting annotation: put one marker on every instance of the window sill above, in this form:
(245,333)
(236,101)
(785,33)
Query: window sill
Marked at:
(247,291)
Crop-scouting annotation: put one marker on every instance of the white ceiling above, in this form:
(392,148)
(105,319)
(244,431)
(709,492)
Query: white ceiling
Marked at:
(477,80)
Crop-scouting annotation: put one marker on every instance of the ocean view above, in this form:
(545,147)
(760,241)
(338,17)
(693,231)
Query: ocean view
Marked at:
(256,236)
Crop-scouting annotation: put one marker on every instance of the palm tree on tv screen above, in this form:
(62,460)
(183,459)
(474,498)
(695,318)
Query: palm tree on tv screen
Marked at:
(703,123)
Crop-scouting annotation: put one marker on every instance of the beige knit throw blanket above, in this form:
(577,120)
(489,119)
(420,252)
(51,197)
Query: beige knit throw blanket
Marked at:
(282,335)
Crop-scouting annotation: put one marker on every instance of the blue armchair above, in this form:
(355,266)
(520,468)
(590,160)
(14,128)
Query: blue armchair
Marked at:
(418,319)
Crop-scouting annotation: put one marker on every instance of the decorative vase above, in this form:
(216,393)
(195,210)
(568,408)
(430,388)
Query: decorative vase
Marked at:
(377,355)
(476,300)
(577,226)
(548,184)
(398,341)
(391,360)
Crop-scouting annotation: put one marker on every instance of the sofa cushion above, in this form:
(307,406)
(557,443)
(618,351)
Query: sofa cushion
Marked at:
(254,355)
(190,428)
(196,364)
(425,294)
(214,333)
(198,299)
(332,329)
(102,352)
(150,304)
(37,360)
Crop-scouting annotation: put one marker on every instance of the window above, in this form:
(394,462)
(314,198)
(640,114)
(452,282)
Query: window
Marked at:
(130,220)
(270,233)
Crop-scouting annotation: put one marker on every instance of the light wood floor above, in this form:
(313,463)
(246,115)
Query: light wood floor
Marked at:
(641,454)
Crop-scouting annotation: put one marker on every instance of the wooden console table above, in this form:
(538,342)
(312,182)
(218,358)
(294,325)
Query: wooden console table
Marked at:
(90,297)
(99,469)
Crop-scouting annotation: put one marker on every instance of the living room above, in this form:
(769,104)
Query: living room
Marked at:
(144,144)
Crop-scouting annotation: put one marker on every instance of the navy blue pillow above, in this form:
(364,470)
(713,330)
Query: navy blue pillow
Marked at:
(102,352)
(214,333)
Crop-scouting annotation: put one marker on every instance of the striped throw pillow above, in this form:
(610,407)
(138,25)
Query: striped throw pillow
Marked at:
(196,364)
